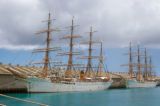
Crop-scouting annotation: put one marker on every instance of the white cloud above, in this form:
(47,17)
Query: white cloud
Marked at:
(19,47)
(118,21)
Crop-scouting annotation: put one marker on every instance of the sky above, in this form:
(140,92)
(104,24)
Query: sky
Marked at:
(117,23)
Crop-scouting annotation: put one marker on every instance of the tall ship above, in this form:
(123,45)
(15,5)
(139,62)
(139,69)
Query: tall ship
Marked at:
(70,79)
(143,77)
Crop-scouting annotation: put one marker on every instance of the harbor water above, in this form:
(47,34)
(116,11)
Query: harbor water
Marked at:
(116,97)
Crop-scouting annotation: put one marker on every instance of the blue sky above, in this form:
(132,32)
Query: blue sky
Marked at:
(114,58)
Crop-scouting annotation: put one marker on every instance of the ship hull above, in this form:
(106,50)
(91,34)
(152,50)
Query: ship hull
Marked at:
(42,85)
(137,84)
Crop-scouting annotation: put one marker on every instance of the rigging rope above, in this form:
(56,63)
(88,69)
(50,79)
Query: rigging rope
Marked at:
(29,61)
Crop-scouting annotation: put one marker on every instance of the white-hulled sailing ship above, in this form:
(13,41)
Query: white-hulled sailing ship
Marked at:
(73,79)
(140,79)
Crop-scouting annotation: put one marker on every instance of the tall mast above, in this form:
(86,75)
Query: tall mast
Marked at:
(89,68)
(89,57)
(150,67)
(139,65)
(130,62)
(47,49)
(46,58)
(101,64)
(71,37)
(89,64)
(101,54)
(70,60)
(146,66)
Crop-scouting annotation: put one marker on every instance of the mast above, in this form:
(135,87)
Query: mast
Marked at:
(70,60)
(130,62)
(150,67)
(47,49)
(146,66)
(101,64)
(89,68)
(139,66)
(46,58)
(71,53)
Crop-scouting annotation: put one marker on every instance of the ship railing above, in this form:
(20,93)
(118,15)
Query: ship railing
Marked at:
(68,82)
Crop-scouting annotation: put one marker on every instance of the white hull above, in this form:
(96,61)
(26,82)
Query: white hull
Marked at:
(137,84)
(42,85)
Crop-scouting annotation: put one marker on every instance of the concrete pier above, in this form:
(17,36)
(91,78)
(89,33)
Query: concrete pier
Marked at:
(118,83)
(9,83)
